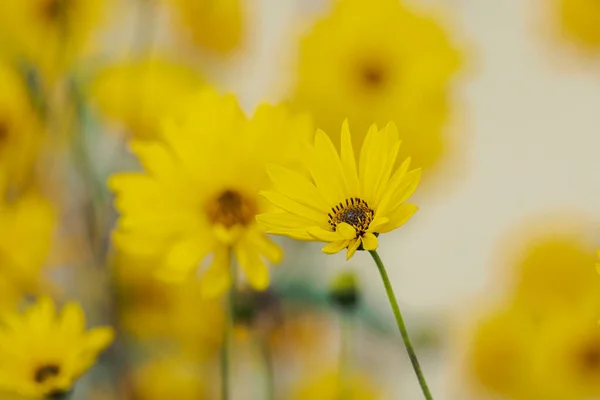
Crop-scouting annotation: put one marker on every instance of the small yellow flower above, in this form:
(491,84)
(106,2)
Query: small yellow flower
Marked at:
(138,93)
(339,202)
(217,25)
(172,377)
(50,34)
(375,62)
(43,354)
(579,20)
(198,197)
(20,131)
(328,386)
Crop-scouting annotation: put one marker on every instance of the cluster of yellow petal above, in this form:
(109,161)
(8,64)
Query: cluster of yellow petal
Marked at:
(339,201)
(43,354)
(203,176)
(139,92)
(49,34)
(375,62)
(544,343)
(331,386)
(579,20)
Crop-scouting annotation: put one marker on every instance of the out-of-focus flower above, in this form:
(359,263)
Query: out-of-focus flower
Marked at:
(43,354)
(49,34)
(566,356)
(499,356)
(203,179)
(138,93)
(376,62)
(343,204)
(344,291)
(329,386)
(217,25)
(173,377)
(26,235)
(20,133)
(579,20)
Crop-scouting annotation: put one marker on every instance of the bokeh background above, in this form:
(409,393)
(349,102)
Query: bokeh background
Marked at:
(509,212)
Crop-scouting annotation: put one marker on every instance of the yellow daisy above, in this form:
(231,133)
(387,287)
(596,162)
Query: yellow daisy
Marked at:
(203,178)
(339,202)
(580,21)
(50,34)
(138,93)
(43,354)
(20,129)
(375,62)
(217,25)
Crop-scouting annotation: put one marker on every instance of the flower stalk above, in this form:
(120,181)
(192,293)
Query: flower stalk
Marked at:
(401,326)
(227,334)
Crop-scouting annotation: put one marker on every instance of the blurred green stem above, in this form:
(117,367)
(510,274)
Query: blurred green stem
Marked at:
(401,326)
(346,324)
(267,361)
(227,333)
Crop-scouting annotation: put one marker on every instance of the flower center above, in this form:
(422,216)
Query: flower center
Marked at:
(3,132)
(231,208)
(46,372)
(355,212)
(52,10)
(589,358)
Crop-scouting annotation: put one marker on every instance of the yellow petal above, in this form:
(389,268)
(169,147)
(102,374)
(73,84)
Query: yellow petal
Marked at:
(326,170)
(370,157)
(377,223)
(72,321)
(348,161)
(295,208)
(266,247)
(100,338)
(324,235)
(155,158)
(352,248)
(297,187)
(345,230)
(254,268)
(217,278)
(399,217)
(185,255)
(369,241)
(335,247)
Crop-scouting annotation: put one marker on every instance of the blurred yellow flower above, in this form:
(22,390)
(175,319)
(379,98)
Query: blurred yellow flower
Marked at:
(43,354)
(376,62)
(203,179)
(566,356)
(138,93)
(26,235)
(217,25)
(499,356)
(328,386)
(343,204)
(50,34)
(20,133)
(173,377)
(580,21)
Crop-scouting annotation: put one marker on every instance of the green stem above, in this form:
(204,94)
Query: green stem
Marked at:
(345,354)
(227,334)
(401,326)
(267,361)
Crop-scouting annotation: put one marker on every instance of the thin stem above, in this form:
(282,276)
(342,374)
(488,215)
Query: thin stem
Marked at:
(227,333)
(401,326)
(345,366)
(268,370)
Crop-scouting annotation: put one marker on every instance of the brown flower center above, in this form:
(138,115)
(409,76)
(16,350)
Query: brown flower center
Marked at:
(231,208)
(589,358)
(46,372)
(355,212)
(52,10)
(4,131)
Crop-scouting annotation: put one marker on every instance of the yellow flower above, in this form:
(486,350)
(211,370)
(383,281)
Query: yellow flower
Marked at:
(328,386)
(20,133)
(579,20)
(217,25)
(43,354)
(203,179)
(375,62)
(51,34)
(566,356)
(341,203)
(173,377)
(138,93)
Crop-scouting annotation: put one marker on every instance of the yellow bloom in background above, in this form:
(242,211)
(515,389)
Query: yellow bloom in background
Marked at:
(566,355)
(138,93)
(339,201)
(50,34)
(217,25)
(198,197)
(327,386)
(172,377)
(20,130)
(43,354)
(376,62)
(580,21)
